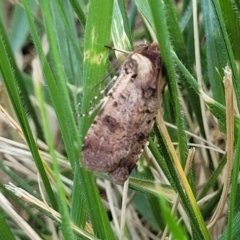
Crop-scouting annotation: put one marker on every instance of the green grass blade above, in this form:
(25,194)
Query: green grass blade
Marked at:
(132,14)
(64,65)
(231,60)
(143,8)
(78,10)
(70,53)
(166,163)
(237,3)
(164,42)
(5,231)
(234,189)
(31,212)
(172,224)
(213,179)
(235,229)
(17,37)
(19,27)
(97,33)
(176,36)
(217,109)
(179,46)
(62,202)
(58,93)
(10,81)
(186,18)
(215,59)
(217,38)
(58,86)
(121,34)
(15,178)
(232,21)
(157,9)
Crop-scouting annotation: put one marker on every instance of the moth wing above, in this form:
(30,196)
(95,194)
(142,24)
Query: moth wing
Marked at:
(105,143)
(120,130)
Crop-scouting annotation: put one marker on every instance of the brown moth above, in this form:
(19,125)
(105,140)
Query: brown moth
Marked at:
(120,131)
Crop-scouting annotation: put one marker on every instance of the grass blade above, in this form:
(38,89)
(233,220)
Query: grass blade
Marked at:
(10,80)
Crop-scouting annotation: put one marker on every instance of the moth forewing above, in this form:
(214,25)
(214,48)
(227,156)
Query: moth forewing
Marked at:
(120,131)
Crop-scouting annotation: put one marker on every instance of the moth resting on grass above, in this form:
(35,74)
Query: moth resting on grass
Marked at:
(119,132)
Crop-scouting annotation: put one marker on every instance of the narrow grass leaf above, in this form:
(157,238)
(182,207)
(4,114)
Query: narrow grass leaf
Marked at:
(19,26)
(9,77)
(121,34)
(5,231)
(217,109)
(152,201)
(217,38)
(17,36)
(180,48)
(235,229)
(62,201)
(70,52)
(172,224)
(166,163)
(20,182)
(157,9)
(231,60)
(143,8)
(58,88)
(234,189)
(232,20)
(215,59)
(23,206)
(79,11)
(163,37)
(186,17)
(213,179)
(97,34)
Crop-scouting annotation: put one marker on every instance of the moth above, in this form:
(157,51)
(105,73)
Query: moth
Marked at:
(119,132)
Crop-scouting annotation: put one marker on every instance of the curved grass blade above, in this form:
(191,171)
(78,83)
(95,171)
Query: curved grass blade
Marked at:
(79,11)
(157,9)
(17,36)
(5,231)
(232,21)
(121,34)
(235,229)
(62,201)
(10,81)
(217,38)
(97,34)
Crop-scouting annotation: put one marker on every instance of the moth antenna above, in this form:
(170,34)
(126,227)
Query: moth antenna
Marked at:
(104,90)
(92,102)
(111,82)
(116,49)
(130,53)
(93,109)
(112,48)
(95,98)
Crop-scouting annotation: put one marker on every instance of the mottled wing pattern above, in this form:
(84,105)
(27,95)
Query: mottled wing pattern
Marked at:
(119,132)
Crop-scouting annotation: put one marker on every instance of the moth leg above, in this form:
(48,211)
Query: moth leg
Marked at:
(110,84)
(93,109)
(105,89)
